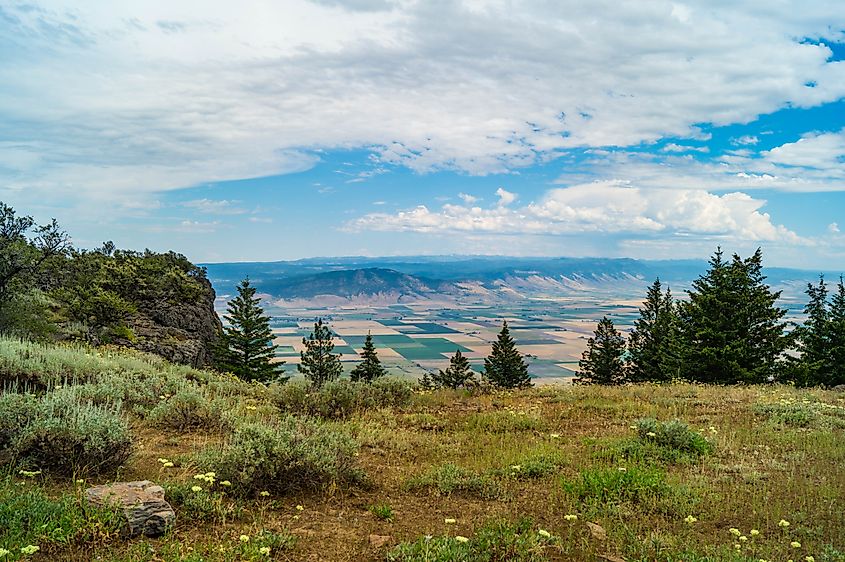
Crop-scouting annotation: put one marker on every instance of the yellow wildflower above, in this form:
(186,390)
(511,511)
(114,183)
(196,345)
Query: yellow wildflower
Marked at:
(3,552)
(783,523)
(754,532)
(743,538)
(30,549)
(691,519)
(571,517)
(264,494)
(244,538)
(450,521)
(459,538)
(734,531)
(795,544)
(265,550)
(196,488)
(225,483)
(299,508)
(545,534)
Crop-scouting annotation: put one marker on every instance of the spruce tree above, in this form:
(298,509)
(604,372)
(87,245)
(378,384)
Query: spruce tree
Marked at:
(814,337)
(603,361)
(458,374)
(504,367)
(246,346)
(370,368)
(318,364)
(837,336)
(732,330)
(648,345)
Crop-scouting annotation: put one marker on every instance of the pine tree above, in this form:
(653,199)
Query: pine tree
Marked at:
(837,336)
(814,337)
(246,346)
(458,374)
(318,364)
(648,345)
(732,330)
(504,367)
(370,368)
(603,361)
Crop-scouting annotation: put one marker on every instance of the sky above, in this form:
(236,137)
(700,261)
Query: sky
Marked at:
(269,130)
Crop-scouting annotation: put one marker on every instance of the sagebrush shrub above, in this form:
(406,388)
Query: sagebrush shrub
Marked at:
(675,435)
(290,454)
(340,399)
(58,433)
(191,409)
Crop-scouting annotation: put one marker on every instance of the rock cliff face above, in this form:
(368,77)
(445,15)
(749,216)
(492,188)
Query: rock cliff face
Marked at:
(181,332)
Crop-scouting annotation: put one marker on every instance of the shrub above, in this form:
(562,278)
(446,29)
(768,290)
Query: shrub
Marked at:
(532,467)
(294,453)
(495,541)
(804,414)
(450,479)
(62,434)
(204,505)
(674,435)
(30,517)
(340,399)
(190,409)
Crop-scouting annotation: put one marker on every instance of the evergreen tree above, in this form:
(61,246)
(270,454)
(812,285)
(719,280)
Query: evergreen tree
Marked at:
(504,367)
(426,382)
(370,368)
(458,374)
(837,336)
(603,361)
(814,338)
(246,346)
(648,345)
(732,330)
(318,363)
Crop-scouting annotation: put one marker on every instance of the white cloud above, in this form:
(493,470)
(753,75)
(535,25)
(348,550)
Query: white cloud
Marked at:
(833,228)
(162,95)
(215,207)
(673,147)
(823,151)
(745,140)
(505,197)
(602,207)
(467,198)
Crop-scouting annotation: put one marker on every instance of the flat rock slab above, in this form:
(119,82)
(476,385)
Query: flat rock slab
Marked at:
(146,511)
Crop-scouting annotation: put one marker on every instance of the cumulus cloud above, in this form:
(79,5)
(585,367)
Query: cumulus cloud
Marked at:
(162,95)
(505,197)
(467,198)
(602,207)
(833,228)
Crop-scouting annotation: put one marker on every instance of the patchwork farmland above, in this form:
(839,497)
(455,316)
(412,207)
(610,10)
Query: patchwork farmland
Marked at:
(414,338)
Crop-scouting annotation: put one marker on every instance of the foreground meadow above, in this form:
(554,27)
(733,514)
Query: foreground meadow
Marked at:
(385,472)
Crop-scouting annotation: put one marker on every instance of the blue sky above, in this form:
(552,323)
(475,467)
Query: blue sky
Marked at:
(283,130)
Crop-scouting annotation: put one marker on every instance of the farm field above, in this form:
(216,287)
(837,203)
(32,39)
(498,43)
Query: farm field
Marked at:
(418,337)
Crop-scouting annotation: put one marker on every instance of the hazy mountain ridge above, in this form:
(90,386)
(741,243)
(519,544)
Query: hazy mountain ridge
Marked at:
(482,278)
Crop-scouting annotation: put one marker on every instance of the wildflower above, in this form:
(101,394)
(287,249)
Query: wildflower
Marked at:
(622,469)
(80,481)
(251,408)
(264,494)
(651,434)
(632,426)
(168,464)
(795,544)
(244,538)
(783,523)
(299,508)
(265,550)
(162,460)
(199,477)
(516,467)
(743,538)
(196,488)
(210,474)
(3,552)
(555,435)
(690,519)
(809,559)
(734,531)
(459,538)
(571,517)
(225,483)
(450,521)
(737,546)
(713,429)
(545,534)
(30,549)
(754,532)
(30,473)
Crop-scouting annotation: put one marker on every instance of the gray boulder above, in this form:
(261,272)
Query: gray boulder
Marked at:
(146,510)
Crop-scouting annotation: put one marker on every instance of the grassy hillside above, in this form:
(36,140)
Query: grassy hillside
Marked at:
(557,473)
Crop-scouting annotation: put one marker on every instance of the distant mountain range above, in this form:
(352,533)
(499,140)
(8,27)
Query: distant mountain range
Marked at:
(475,278)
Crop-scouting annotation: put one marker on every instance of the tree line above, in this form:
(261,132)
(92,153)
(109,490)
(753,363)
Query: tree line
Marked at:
(246,350)
(729,330)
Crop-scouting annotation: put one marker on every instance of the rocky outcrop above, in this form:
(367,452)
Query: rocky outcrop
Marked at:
(181,332)
(146,510)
